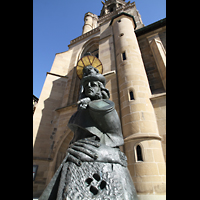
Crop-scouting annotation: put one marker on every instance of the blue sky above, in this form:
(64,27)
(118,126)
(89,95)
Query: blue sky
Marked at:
(57,22)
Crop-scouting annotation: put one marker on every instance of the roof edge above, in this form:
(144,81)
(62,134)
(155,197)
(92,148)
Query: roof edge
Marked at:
(123,13)
(151,27)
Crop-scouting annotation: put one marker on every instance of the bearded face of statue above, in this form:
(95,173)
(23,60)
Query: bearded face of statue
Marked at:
(92,90)
(93,84)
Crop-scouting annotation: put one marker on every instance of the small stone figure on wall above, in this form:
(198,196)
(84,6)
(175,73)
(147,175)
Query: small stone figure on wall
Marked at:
(94,167)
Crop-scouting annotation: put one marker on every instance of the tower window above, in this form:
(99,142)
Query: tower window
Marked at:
(124,55)
(139,153)
(131,95)
(121,34)
(119,21)
(111,7)
(35,167)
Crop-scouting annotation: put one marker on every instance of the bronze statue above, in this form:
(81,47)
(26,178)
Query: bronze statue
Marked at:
(94,167)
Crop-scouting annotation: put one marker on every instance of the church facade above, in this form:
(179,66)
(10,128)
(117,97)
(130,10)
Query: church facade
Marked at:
(134,65)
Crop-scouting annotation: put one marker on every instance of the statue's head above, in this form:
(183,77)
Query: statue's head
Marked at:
(95,90)
(94,84)
(90,70)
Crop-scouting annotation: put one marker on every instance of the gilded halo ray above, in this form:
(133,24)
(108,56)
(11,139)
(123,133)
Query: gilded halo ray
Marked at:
(88,60)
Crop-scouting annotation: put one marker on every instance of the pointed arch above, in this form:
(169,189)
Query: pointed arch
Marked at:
(91,46)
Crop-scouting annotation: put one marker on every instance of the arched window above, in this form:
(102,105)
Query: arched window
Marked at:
(91,46)
(131,95)
(139,153)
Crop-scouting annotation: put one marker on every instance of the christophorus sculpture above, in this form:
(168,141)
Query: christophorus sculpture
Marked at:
(94,167)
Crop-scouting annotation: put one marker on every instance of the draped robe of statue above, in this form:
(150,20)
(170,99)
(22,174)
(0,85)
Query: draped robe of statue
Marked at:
(105,176)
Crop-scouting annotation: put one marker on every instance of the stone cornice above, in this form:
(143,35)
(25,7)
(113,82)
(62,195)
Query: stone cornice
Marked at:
(93,31)
(56,75)
(142,136)
(156,96)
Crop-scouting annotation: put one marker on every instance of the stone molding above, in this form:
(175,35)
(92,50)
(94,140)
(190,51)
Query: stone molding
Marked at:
(160,95)
(83,36)
(142,136)
(56,75)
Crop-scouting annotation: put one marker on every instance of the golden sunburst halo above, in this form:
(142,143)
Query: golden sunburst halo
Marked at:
(88,60)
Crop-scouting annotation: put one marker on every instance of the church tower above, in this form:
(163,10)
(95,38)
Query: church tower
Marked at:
(90,22)
(138,118)
(134,65)
(110,6)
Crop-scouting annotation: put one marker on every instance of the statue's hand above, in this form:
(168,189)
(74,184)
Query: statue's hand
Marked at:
(89,151)
(78,151)
(84,102)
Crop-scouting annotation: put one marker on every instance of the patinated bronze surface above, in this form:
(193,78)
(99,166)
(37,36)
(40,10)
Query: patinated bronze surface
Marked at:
(94,167)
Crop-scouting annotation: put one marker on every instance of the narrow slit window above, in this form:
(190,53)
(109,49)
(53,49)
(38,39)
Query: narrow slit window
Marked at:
(124,56)
(131,95)
(35,167)
(139,153)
